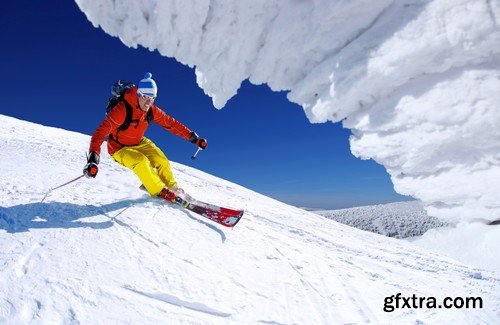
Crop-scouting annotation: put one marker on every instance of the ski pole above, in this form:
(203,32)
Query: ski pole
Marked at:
(55,188)
(194,156)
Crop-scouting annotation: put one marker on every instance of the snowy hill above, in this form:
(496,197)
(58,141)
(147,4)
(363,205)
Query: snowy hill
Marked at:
(399,220)
(101,251)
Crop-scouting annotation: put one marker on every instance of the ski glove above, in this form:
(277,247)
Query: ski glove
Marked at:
(90,170)
(200,142)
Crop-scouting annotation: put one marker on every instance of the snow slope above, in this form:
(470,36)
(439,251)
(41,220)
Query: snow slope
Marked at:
(415,80)
(101,251)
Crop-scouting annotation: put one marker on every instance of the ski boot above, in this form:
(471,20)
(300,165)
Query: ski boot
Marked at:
(167,195)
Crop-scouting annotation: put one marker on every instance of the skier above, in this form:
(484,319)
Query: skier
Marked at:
(130,148)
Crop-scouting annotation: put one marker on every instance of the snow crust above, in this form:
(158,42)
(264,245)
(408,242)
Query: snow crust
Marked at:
(101,251)
(415,80)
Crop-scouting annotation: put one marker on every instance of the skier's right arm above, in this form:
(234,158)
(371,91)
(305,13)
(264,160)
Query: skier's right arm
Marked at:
(108,126)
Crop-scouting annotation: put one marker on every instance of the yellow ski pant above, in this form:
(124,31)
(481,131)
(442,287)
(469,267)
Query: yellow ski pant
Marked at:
(149,163)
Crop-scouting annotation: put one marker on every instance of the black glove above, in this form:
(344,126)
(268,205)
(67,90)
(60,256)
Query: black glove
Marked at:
(200,142)
(90,170)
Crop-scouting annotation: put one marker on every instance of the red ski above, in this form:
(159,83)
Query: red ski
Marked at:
(223,216)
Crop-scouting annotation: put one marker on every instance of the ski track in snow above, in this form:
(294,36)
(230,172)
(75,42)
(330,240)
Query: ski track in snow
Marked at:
(100,251)
(173,300)
(311,291)
(22,264)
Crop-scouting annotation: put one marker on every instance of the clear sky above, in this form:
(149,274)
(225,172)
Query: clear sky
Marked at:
(57,70)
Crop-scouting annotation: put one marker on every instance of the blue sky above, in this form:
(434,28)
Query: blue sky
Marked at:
(57,70)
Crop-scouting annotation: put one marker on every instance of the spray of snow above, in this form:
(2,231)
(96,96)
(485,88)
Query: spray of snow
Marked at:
(416,80)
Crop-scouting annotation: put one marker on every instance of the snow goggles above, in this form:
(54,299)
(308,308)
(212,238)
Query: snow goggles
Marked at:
(146,96)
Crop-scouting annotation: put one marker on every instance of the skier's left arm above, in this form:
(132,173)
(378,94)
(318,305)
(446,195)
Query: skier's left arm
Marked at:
(176,127)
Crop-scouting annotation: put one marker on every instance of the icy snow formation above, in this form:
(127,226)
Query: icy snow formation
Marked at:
(417,81)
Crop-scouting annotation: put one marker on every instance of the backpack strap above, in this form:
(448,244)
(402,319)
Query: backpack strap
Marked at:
(126,122)
(128,117)
(150,116)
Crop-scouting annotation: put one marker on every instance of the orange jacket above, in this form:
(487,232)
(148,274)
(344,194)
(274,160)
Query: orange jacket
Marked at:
(134,133)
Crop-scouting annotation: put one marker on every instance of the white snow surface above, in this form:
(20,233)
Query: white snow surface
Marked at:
(100,251)
(474,243)
(417,81)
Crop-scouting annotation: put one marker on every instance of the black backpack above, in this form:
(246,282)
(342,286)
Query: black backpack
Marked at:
(117,92)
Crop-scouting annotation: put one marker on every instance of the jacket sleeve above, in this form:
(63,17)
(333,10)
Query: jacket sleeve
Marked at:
(170,124)
(113,120)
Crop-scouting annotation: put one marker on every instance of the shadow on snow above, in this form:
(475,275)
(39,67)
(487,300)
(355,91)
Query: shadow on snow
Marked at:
(23,217)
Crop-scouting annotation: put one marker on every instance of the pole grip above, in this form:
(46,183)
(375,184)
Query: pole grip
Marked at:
(195,154)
